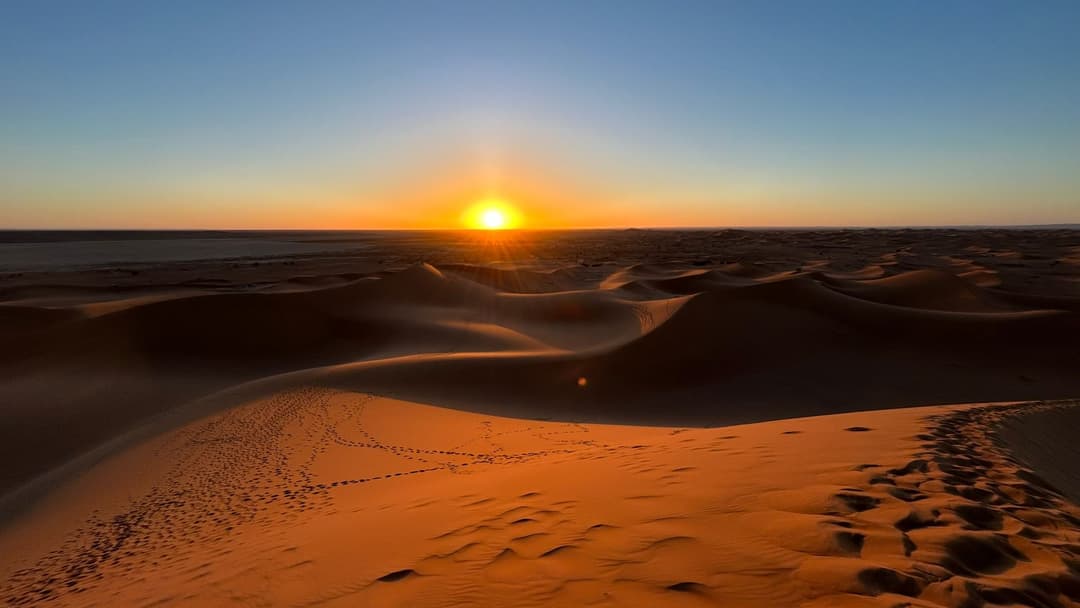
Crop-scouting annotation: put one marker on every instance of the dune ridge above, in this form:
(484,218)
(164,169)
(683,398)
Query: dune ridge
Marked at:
(733,343)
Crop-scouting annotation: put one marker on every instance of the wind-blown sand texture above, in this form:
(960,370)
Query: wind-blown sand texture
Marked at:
(343,440)
(313,496)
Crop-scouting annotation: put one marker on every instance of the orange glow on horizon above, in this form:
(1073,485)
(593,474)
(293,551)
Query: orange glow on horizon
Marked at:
(510,193)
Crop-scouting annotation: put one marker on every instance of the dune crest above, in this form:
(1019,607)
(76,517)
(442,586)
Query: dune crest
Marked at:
(714,336)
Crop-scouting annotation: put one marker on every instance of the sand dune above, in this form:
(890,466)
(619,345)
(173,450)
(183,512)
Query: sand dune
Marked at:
(310,496)
(780,348)
(930,289)
(341,437)
(516,280)
(730,348)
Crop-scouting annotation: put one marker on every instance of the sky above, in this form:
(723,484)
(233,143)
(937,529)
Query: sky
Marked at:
(403,114)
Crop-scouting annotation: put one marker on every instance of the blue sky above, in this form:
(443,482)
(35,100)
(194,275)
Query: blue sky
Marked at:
(358,114)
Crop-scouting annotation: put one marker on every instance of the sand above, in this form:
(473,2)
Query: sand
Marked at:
(314,496)
(676,425)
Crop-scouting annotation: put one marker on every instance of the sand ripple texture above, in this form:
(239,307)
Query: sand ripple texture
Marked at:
(320,497)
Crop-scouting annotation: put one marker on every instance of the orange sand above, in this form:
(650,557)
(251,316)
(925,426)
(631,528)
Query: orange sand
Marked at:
(346,438)
(312,496)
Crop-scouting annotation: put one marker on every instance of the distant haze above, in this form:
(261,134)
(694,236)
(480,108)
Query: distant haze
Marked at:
(372,115)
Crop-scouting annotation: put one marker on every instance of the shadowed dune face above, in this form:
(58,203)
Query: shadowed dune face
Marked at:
(698,342)
(778,347)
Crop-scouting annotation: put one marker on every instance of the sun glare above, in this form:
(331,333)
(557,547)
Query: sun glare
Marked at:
(493,219)
(492,214)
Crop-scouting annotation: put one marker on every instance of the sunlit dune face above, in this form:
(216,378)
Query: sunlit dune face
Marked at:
(492,214)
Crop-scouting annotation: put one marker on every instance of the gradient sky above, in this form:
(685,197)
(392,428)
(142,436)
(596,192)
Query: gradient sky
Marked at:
(399,114)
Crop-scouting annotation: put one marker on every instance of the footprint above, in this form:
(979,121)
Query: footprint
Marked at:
(857,502)
(917,519)
(687,587)
(850,543)
(979,517)
(968,555)
(905,494)
(396,575)
(886,580)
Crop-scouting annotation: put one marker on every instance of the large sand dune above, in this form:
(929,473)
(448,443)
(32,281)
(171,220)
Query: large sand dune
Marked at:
(222,441)
(312,496)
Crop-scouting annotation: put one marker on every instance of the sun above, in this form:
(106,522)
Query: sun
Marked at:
(493,219)
(491,214)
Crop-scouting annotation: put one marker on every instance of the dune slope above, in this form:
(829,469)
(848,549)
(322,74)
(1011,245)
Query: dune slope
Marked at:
(658,344)
(312,496)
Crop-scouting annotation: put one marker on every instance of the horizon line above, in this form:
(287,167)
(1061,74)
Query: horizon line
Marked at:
(566,229)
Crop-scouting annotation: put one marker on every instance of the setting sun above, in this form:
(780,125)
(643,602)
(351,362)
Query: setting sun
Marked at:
(492,214)
(493,219)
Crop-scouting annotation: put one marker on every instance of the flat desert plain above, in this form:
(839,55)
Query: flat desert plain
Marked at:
(592,418)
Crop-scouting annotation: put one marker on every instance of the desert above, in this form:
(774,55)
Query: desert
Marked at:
(522,303)
(756,418)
